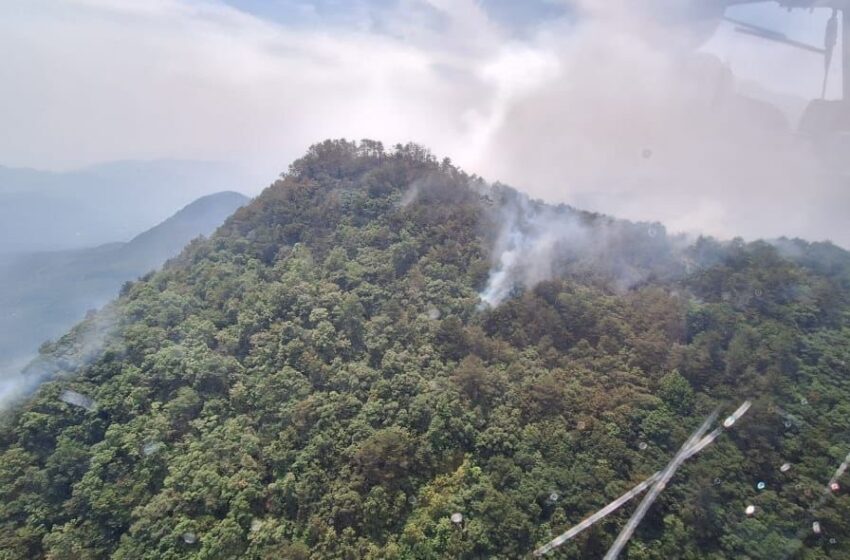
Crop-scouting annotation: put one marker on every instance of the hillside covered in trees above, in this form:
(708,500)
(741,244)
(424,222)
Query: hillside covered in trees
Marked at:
(380,341)
(43,294)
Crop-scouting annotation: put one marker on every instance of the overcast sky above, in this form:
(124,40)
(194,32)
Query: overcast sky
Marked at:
(596,102)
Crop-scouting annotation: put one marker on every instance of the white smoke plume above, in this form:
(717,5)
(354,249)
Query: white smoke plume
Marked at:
(77,349)
(525,249)
(537,242)
(635,121)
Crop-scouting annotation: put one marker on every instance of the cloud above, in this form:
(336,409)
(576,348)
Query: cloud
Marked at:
(566,112)
(633,127)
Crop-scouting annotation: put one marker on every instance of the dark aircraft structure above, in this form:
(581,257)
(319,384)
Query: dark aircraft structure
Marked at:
(825,123)
(714,10)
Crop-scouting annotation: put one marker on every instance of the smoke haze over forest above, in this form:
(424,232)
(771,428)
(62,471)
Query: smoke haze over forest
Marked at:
(449,277)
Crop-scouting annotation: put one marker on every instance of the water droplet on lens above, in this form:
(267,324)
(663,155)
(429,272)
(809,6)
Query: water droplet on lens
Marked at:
(77,399)
(152,447)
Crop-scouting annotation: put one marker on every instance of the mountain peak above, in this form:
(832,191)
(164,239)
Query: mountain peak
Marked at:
(200,217)
(382,356)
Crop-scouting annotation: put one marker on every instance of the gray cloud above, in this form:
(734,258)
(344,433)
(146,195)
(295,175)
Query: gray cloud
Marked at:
(600,111)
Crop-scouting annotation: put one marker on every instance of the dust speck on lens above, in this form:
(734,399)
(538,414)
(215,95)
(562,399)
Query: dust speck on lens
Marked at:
(77,399)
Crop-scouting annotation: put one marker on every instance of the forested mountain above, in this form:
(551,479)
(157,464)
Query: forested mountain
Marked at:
(47,211)
(380,341)
(43,294)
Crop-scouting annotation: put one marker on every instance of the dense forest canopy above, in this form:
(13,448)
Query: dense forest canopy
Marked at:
(321,379)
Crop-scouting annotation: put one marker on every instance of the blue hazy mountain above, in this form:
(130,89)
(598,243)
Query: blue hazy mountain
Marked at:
(43,294)
(46,211)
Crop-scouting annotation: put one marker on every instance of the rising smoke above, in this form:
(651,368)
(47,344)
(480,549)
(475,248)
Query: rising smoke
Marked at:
(527,245)
(77,349)
(536,242)
(638,123)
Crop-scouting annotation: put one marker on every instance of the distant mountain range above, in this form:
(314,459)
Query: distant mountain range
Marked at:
(42,294)
(46,211)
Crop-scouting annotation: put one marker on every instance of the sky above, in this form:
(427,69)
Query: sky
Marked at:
(610,105)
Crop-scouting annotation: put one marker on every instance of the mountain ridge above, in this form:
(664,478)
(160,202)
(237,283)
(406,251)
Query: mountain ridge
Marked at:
(43,211)
(319,379)
(43,294)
